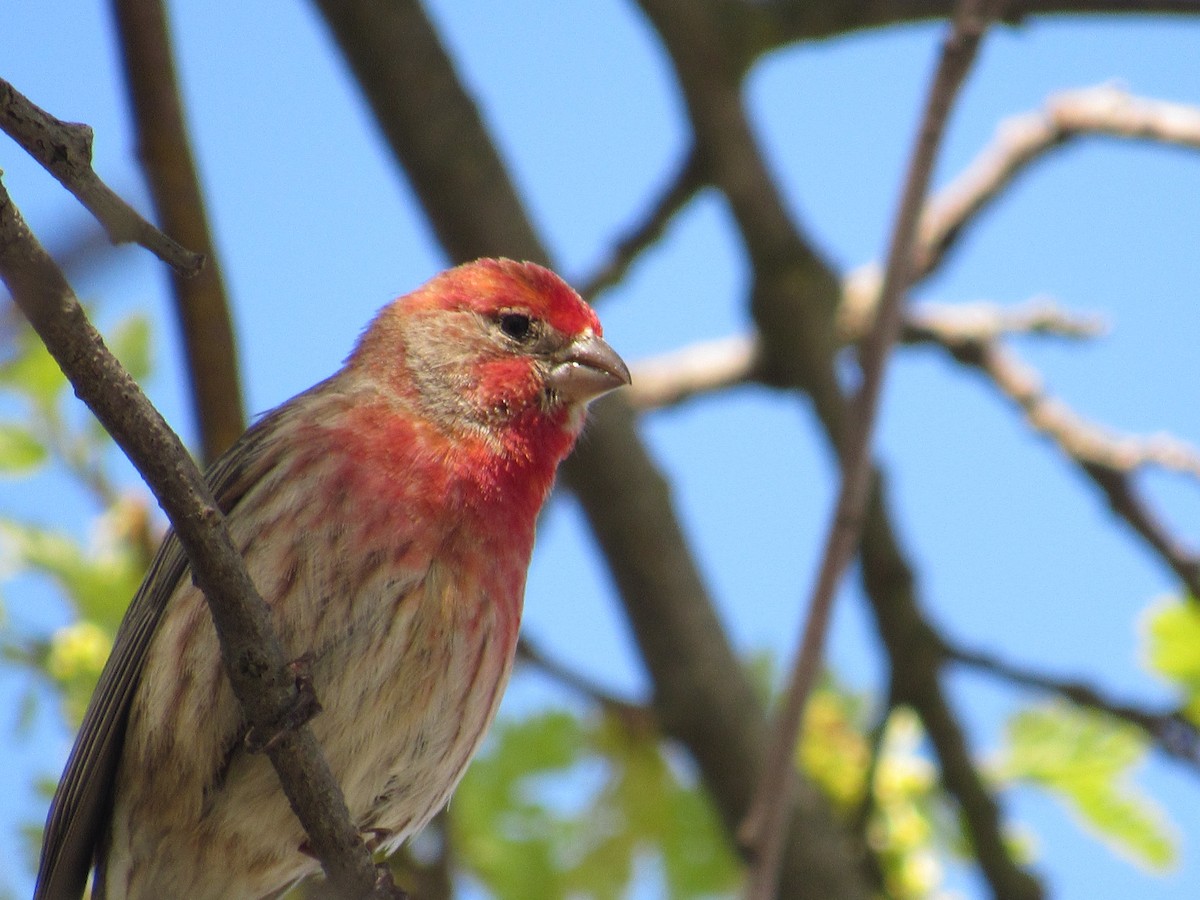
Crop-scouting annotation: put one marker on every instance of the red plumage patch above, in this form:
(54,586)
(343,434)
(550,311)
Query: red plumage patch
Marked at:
(489,286)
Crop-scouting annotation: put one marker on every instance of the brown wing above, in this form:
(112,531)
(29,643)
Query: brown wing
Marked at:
(81,803)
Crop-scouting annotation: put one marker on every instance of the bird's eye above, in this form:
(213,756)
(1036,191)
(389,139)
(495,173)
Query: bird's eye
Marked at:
(517,326)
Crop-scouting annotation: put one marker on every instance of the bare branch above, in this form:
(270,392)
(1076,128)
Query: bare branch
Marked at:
(683,187)
(913,650)
(970,333)
(765,819)
(991,321)
(1124,500)
(701,368)
(768,24)
(1169,730)
(795,291)
(626,710)
(64,149)
(253,657)
(1107,459)
(1022,140)
(711,366)
(201,303)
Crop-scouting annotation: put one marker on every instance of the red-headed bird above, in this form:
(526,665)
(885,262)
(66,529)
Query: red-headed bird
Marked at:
(387,517)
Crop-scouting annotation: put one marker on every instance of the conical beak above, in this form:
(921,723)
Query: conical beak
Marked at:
(587,369)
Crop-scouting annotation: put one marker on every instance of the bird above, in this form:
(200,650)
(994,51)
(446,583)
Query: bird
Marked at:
(387,517)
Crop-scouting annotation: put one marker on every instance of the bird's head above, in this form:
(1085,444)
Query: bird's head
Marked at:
(494,346)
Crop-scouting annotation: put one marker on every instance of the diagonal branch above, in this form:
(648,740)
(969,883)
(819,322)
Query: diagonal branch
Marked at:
(201,303)
(768,24)
(1022,140)
(913,651)
(688,180)
(529,653)
(1108,460)
(64,149)
(1170,730)
(766,814)
(707,367)
(253,657)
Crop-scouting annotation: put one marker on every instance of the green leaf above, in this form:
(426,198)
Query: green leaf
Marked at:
(512,834)
(834,750)
(499,833)
(20,451)
(1085,758)
(1173,644)
(33,371)
(100,584)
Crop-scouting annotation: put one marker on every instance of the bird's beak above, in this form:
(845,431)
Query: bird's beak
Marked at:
(586,369)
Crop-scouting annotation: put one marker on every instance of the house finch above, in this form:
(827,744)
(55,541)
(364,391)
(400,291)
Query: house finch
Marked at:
(387,517)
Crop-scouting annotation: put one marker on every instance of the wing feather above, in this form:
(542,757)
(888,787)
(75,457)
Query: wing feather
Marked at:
(82,801)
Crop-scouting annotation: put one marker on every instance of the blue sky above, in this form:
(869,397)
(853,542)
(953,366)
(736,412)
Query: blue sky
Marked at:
(1015,551)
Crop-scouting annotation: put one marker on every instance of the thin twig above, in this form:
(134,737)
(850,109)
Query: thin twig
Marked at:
(688,179)
(1170,730)
(253,656)
(990,321)
(625,710)
(64,149)
(1023,139)
(764,826)
(1108,460)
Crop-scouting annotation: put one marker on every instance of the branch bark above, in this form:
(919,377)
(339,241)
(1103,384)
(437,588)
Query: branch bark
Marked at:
(1024,139)
(1107,460)
(688,180)
(64,149)
(773,24)
(763,821)
(1170,730)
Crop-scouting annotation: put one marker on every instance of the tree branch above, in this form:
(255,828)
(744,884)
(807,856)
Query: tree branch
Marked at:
(716,365)
(913,650)
(766,813)
(532,655)
(1106,459)
(64,149)
(774,23)
(683,187)
(252,654)
(1022,140)
(697,369)
(201,303)
(794,296)
(1169,730)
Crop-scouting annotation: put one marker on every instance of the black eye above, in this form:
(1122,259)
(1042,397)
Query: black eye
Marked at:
(517,326)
